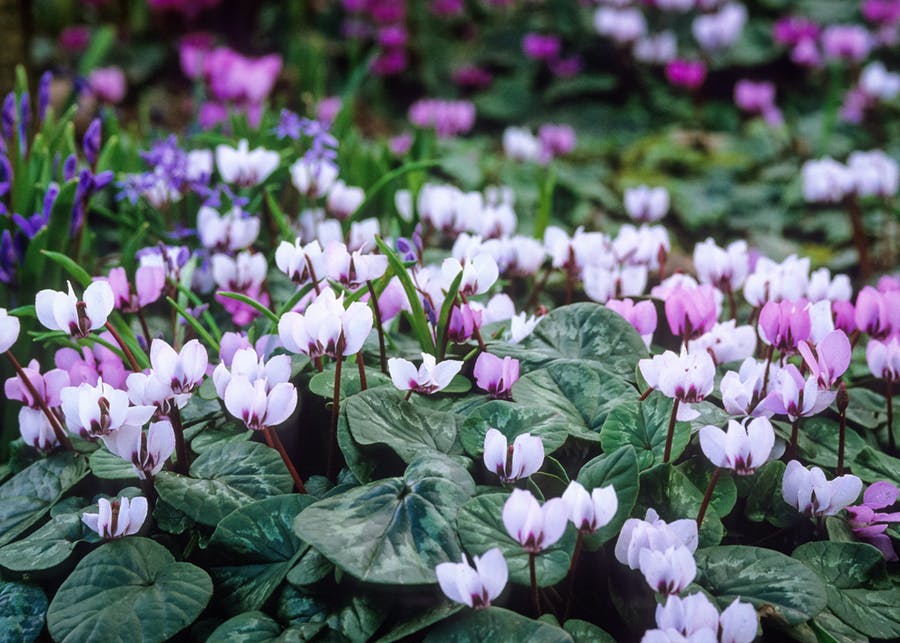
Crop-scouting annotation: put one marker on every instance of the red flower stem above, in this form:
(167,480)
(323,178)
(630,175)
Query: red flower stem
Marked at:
(128,354)
(181,451)
(335,413)
(376,311)
(58,429)
(361,365)
(535,595)
(671,432)
(708,495)
(274,441)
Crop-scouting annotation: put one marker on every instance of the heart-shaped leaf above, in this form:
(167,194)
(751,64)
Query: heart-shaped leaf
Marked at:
(223,479)
(28,495)
(644,425)
(394,530)
(22,610)
(109,466)
(763,577)
(620,469)
(581,392)
(481,528)
(129,589)
(45,548)
(512,420)
(673,496)
(260,536)
(583,331)
(495,624)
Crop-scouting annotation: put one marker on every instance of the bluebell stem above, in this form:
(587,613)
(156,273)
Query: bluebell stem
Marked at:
(44,95)
(92,142)
(8,116)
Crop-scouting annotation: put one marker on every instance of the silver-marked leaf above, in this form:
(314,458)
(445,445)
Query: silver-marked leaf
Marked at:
(512,420)
(322,384)
(109,466)
(584,632)
(673,496)
(22,611)
(47,547)
(223,479)
(356,616)
(766,578)
(253,627)
(583,331)
(128,590)
(645,425)
(28,495)
(581,392)
(481,528)
(620,469)
(394,530)
(495,624)
(260,538)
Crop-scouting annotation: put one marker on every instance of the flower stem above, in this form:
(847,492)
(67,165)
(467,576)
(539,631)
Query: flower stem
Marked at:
(274,441)
(708,495)
(573,569)
(335,412)
(842,403)
(889,393)
(795,438)
(408,395)
(361,365)
(535,595)
(671,432)
(128,354)
(58,429)
(376,311)
(859,238)
(181,452)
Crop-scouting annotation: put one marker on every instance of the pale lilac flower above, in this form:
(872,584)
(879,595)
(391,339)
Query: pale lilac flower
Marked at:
(533,526)
(655,534)
(181,371)
(520,144)
(241,273)
(645,204)
(362,234)
(121,517)
(299,261)
(691,312)
(874,173)
(496,375)
(641,246)
(463,322)
(688,378)
(878,313)
(641,315)
(64,311)
(108,84)
(826,180)
(343,200)
(326,328)
(726,342)
(692,618)
(147,452)
(791,395)
(883,358)
(847,42)
(830,360)
(743,448)
(9,330)
(95,411)
(822,286)
(590,511)
(258,405)
(602,284)
(870,525)
(479,274)
(474,587)
(352,269)
(621,25)
(721,29)
(512,462)
(247,363)
(741,390)
(449,118)
(313,177)
(429,378)
(771,281)
(148,286)
(36,429)
(245,167)
(809,492)
(738,623)
(668,571)
(725,268)
(230,232)
(876,81)
(656,49)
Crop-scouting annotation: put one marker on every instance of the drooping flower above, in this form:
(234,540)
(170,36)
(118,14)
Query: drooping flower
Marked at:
(691,312)
(830,359)
(119,518)
(653,533)
(512,462)
(245,167)
(326,328)
(533,526)
(870,525)
(590,511)
(64,311)
(645,204)
(148,286)
(478,275)
(726,342)
(743,448)
(878,313)
(95,411)
(474,587)
(784,325)
(791,395)
(259,406)
(496,375)
(809,492)
(300,262)
(429,378)
(883,358)
(146,451)
(688,378)
(9,330)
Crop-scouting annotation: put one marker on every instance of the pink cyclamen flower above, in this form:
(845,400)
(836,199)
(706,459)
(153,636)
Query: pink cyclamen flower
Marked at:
(496,375)
(326,328)
(653,533)
(540,47)
(258,405)
(809,492)
(512,462)
(147,452)
(830,359)
(645,204)
(149,282)
(9,330)
(668,571)
(556,140)
(743,448)
(792,29)
(463,322)
(689,74)
(533,526)
(784,325)
(78,317)
(883,358)
(108,84)
(878,313)
(847,42)
(448,118)
(691,312)
(429,378)
(119,518)
(590,511)
(688,378)
(474,587)
(48,386)
(641,315)
(868,524)
(791,395)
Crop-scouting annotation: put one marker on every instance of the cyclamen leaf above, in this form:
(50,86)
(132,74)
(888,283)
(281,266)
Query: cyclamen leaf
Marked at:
(496,624)
(22,610)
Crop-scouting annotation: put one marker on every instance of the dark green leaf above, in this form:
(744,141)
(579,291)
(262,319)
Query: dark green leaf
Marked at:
(109,466)
(22,610)
(45,548)
(673,496)
(420,622)
(620,469)
(495,624)
(512,420)
(584,632)
(645,426)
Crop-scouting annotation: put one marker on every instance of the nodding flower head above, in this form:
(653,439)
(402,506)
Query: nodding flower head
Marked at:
(78,317)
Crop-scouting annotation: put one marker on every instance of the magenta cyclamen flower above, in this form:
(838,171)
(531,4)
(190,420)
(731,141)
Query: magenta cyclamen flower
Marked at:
(512,462)
(691,311)
(878,313)
(784,325)
(474,587)
(540,47)
(496,375)
(689,74)
(870,525)
(533,526)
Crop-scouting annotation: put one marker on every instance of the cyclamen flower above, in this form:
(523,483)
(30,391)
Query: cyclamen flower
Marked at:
(533,526)
(645,204)
(641,315)
(343,200)
(95,411)
(230,232)
(352,270)
(147,452)
(830,360)
(726,342)
(741,390)
(429,378)
(688,378)
(313,177)
(108,84)
(9,330)
(724,268)
(590,511)
(878,313)
(743,448)
(479,274)
(248,364)
(668,571)
(181,371)
(64,311)
(870,525)
(621,25)
(496,375)
(883,358)
(149,282)
(809,492)
(784,325)
(244,167)
(512,462)
(826,180)
(259,406)
(474,587)
(121,517)
(689,74)
(694,618)
(521,326)
(300,263)
(48,386)
(691,312)
(874,173)
(653,533)
(326,328)
(36,429)
(791,395)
